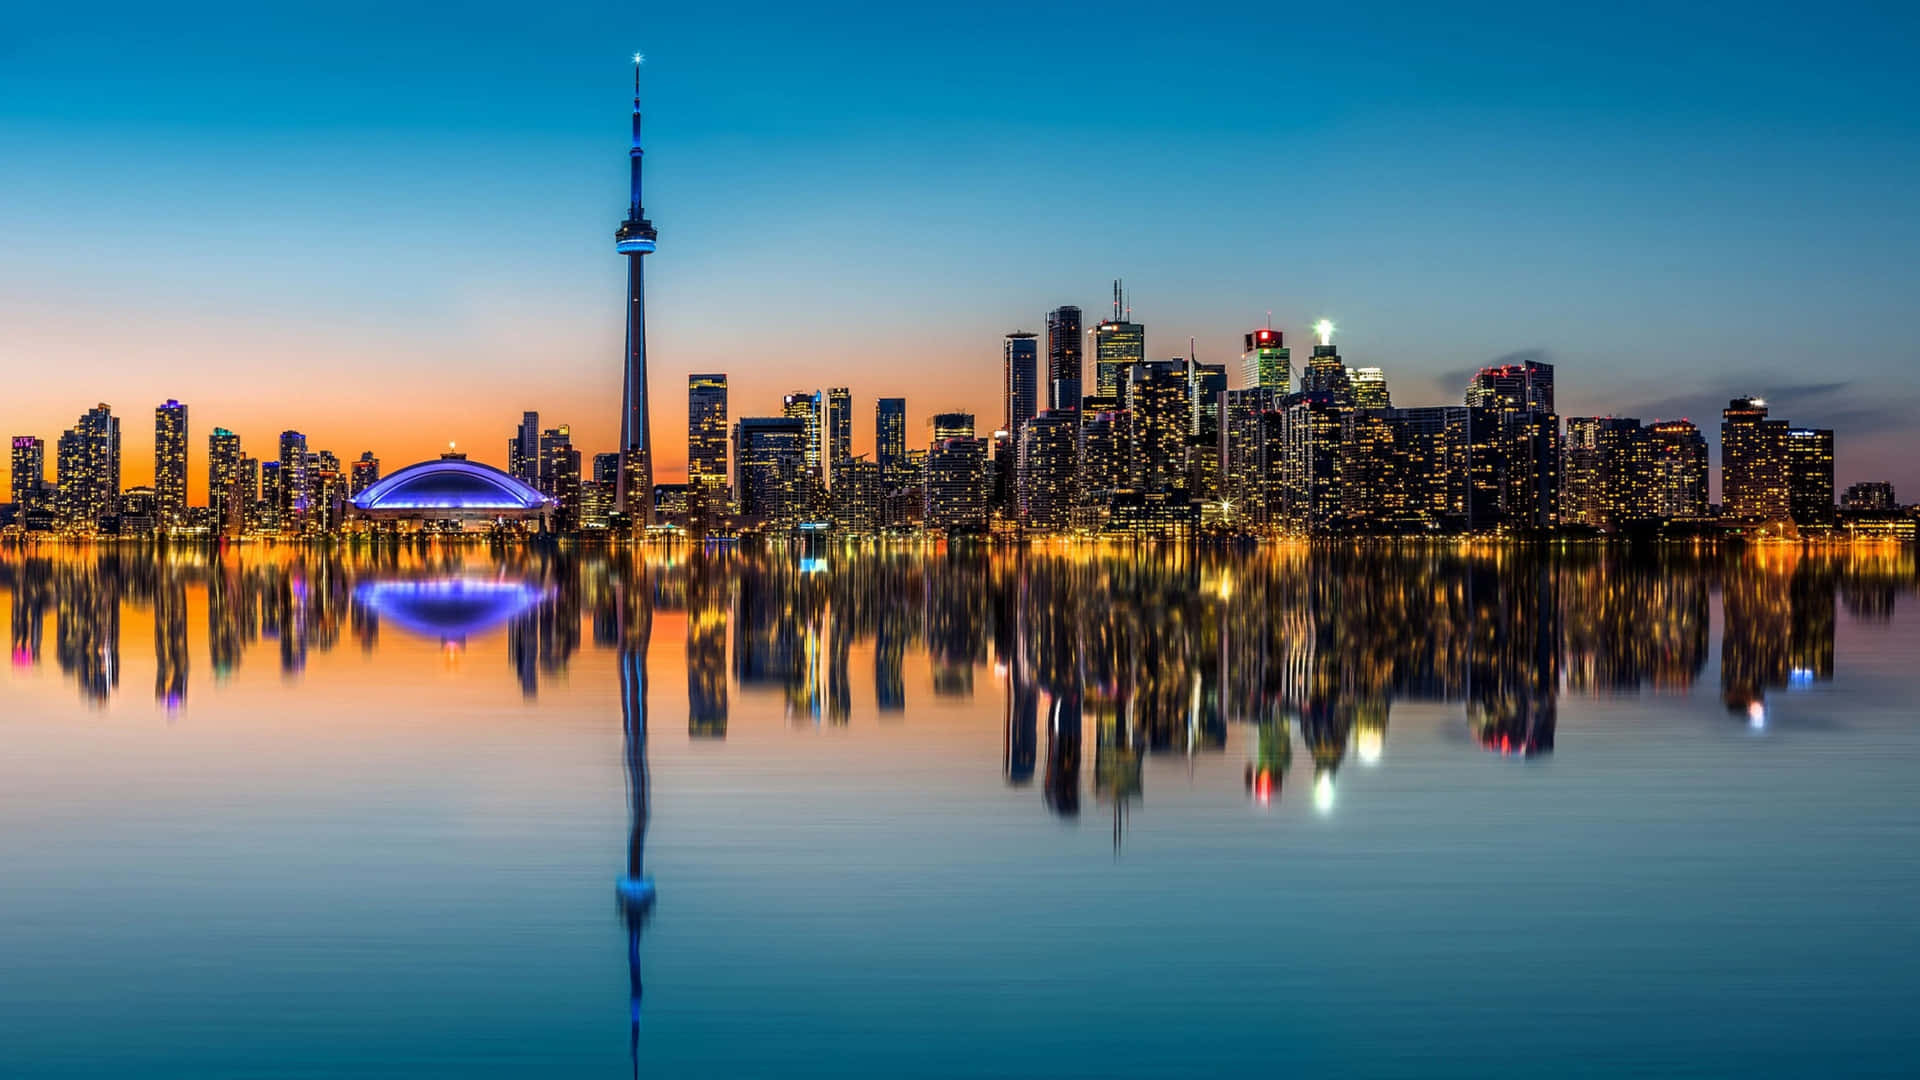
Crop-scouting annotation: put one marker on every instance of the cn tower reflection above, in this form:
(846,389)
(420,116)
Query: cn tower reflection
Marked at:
(635,888)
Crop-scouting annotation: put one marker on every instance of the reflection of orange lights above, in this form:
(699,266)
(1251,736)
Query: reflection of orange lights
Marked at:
(1263,786)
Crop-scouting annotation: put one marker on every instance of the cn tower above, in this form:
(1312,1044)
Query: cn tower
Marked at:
(635,239)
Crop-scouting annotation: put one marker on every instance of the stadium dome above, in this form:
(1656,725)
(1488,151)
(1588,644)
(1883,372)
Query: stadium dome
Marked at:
(450,487)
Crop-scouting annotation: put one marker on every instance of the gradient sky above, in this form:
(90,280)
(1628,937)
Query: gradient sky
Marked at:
(393,229)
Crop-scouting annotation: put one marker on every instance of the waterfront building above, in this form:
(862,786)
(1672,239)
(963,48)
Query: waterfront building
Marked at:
(706,434)
(1046,470)
(523,450)
(560,476)
(1314,424)
(28,477)
(956,485)
(769,454)
(364,473)
(1753,463)
(293,490)
(1868,495)
(1019,370)
(839,431)
(87,464)
(1157,400)
(1514,448)
(1063,358)
(170,464)
(1810,476)
(890,437)
(855,498)
(226,474)
(1370,388)
(1243,454)
(1436,441)
(1679,453)
(1326,372)
(1607,472)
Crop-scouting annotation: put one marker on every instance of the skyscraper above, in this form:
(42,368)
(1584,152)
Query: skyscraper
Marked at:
(224,477)
(1063,358)
(29,474)
(1046,467)
(707,434)
(635,239)
(294,482)
(1019,364)
(804,406)
(1810,476)
(1370,388)
(170,464)
(1326,373)
(950,425)
(523,450)
(890,438)
(1118,344)
(1679,470)
(839,433)
(1753,463)
(88,464)
(363,473)
(1265,362)
(560,476)
(769,454)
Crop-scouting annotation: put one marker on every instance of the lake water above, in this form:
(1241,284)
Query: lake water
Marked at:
(1462,813)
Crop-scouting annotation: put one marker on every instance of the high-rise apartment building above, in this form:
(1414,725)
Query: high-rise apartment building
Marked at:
(1753,463)
(1161,409)
(1019,372)
(523,450)
(225,476)
(769,456)
(706,435)
(170,464)
(29,471)
(1869,496)
(890,438)
(1063,358)
(88,470)
(560,477)
(1679,453)
(1810,476)
(804,406)
(839,432)
(363,473)
(294,488)
(956,487)
(1370,388)
(1045,471)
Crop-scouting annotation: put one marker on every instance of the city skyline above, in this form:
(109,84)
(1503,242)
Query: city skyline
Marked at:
(388,339)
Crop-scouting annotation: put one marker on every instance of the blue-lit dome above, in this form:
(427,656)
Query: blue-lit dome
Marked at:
(452,487)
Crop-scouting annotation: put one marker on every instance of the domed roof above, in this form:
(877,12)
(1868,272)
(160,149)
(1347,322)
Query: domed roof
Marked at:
(451,486)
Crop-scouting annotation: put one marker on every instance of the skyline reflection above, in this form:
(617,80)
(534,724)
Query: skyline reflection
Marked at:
(1123,655)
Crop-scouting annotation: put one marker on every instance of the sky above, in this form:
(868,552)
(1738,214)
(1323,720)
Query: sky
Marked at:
(392,228)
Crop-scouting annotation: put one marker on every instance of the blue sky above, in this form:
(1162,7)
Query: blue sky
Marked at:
(381,224)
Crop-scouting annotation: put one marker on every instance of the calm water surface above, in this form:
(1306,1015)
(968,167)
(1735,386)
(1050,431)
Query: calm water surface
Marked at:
(448,812)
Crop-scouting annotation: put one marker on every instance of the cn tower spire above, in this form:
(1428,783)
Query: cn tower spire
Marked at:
(635,239)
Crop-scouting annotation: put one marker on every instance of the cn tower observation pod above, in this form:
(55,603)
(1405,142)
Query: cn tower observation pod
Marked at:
(450,488)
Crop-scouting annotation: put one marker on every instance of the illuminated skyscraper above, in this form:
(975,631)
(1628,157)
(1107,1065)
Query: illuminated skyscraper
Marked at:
(1045,471)
(1514,448)
(1063,358)
(1019,367)
(1679,454)
(295,483)
(523,450)
(950,425)
(29,475)
(839,433)
(1118,344)
(1326,373)
(1608,472)
(363,473)
(88,464)
(1157,399)
(890,437)
(1810,476)
(1265,362)
(1314,425)
(1370,388)
(707,434)
(560,476)
(1871,496)
(635,239)
(805,406)
(170,464)
(956,488)
(225,475)
(1753,463)
(769,454)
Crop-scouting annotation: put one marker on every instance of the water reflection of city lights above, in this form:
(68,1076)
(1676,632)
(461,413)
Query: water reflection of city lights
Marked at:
(1800,678)
(1369,744)
(813,565)
(1757,715)
(1323,793)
